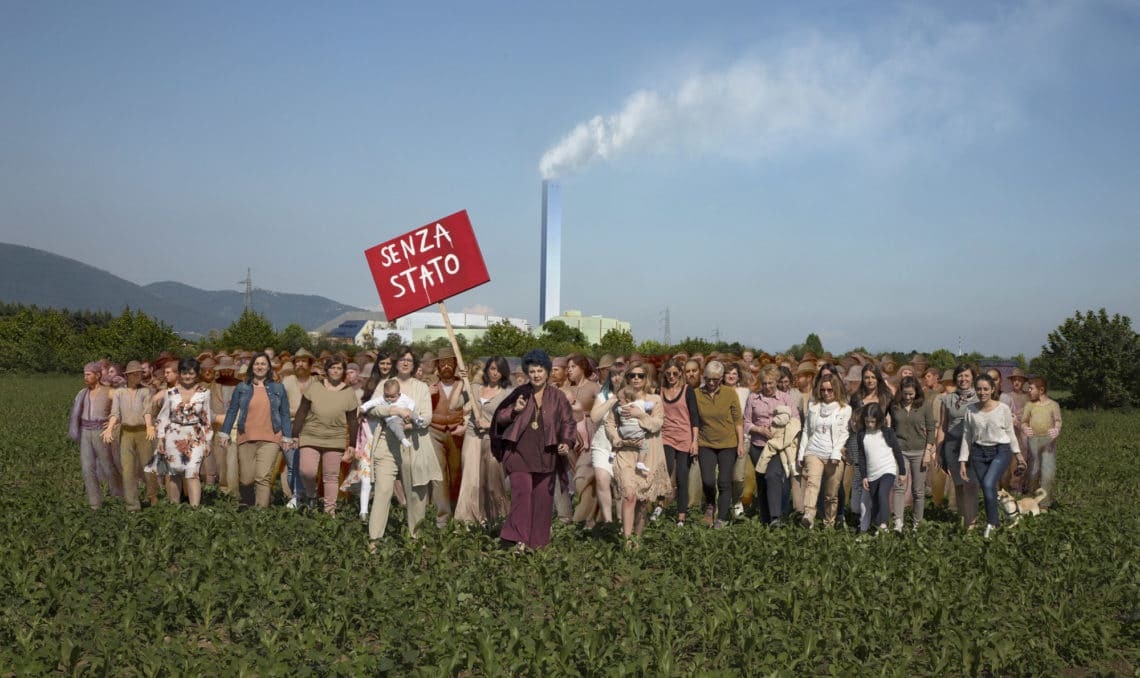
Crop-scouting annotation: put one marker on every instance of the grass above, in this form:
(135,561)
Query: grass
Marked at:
(172,590)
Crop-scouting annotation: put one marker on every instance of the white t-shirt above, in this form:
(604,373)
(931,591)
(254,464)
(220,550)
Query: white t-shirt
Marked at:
(819,444)
(880,457)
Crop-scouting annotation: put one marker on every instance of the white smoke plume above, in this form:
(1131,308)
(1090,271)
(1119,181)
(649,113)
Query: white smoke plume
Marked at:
(930,81)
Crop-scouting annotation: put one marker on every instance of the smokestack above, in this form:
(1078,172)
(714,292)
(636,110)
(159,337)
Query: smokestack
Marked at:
(548,304)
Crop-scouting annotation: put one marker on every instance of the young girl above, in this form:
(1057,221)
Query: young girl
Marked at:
(881,464)
(629,428)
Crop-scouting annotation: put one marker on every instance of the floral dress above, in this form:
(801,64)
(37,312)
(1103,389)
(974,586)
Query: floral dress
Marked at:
(184,433)
(361,468)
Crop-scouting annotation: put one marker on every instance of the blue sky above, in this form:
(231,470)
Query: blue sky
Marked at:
(887,175)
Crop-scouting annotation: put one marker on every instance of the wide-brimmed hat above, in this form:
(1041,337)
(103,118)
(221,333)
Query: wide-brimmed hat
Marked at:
(205,354)
(303,353)
(225,363)
(854,373)
(207,364)
(605,362)
(133,366)
(1015,374)
(948,375)
(445,353)
(807,367)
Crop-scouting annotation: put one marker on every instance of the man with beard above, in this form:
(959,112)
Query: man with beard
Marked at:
(353,380)
(225,450)
(294,385)
(207,373)
(89,414)
(447,430)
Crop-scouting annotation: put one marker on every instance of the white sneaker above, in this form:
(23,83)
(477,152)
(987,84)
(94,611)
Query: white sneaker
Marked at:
(657,512)
(738,509)
(292,504)
(989,530)
(642,467)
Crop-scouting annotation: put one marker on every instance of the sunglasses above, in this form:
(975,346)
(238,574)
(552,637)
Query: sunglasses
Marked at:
(673,373)
(827,390)
(635,375)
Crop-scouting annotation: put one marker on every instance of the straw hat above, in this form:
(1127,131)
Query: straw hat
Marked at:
(133,366)
(445,353)
(303,353)
(225,363)
(806,367)
(1015,374)
(207,364)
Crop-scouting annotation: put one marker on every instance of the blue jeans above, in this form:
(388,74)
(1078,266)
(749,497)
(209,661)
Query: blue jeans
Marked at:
(293,475)
(988,463)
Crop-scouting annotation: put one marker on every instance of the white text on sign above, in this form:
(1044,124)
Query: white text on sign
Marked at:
(430,272)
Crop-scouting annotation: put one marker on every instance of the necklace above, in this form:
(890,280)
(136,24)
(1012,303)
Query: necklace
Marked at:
(537,414)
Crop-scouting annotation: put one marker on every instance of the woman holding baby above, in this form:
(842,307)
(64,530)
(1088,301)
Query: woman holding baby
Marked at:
(633,426)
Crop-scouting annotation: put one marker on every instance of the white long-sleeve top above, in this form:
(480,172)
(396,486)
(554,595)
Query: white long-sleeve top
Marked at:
(987,428)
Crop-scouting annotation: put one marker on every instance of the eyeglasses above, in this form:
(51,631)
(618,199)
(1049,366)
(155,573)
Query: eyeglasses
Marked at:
(635,375)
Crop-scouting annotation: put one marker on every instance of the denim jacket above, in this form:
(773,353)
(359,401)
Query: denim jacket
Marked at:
(278,408)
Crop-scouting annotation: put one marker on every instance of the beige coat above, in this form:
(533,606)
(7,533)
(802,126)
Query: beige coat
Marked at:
(784,441)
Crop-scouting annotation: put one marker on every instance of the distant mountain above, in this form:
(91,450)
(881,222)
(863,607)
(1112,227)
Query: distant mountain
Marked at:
(31,276)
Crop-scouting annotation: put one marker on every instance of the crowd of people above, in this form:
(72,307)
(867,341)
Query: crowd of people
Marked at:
(525,440)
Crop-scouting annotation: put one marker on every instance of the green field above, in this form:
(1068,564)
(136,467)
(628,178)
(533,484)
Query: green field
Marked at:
(174,590)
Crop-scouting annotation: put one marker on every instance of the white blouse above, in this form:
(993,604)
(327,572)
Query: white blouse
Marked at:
(987,428)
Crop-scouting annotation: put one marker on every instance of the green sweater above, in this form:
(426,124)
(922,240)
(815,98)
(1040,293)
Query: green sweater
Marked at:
(720,415)
(915,429)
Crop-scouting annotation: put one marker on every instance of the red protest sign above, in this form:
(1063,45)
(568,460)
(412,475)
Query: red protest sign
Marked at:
(427,265)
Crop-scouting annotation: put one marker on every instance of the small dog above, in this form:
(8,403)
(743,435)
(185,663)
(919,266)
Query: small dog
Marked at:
(1015,508)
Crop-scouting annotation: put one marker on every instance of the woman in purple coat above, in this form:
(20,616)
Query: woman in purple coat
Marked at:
(533,432)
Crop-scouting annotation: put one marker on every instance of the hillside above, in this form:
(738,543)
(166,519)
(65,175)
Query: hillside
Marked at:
(32,276)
